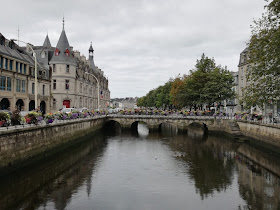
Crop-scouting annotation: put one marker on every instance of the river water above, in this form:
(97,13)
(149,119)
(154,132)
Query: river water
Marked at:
(148,171)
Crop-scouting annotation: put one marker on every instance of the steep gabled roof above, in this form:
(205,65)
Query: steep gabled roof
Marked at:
(47,42)
(62,46)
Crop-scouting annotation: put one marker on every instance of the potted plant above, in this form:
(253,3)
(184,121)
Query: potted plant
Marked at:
(49,118)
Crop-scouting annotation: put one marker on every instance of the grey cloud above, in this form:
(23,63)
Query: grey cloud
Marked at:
(139,44)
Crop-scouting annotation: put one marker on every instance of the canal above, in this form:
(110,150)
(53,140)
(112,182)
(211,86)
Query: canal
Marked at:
(142,170)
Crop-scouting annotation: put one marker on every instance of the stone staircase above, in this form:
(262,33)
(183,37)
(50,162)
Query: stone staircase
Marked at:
(235,131)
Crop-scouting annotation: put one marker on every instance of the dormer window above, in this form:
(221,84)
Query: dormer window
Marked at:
(43,54)
(56,52)
(67,52)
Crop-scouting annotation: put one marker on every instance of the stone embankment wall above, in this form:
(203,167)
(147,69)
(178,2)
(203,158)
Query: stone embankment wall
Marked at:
(22,144)
(266,133)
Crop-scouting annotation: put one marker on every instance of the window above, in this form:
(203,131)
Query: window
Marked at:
(24,68)
(33,87)
(9,84)
(1,62)
(67,52)
(18,85)
(43,90)
(54,84)
(3,83)
(54,103)
(56,52)
(6,63)
(43,54)
(2,41)
(67,68)
(16,66)
(23,86)
(67,84)
(81,87)
(20,68)
(54,68)
(11,64)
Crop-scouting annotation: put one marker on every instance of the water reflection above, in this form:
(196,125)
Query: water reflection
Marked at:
(56,179)
(209,163)
(157,170)
(168,129)
(143,130)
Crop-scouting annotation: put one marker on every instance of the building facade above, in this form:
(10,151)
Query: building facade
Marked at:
(64,77)
(268,108)
(17,68)
(76,81)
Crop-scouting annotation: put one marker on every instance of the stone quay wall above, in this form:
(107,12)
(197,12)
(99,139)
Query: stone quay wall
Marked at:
(19,145)
(266,133)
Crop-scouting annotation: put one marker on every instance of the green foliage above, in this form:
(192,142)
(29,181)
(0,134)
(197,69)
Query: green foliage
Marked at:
(158,97)
(207,83)
(263,73)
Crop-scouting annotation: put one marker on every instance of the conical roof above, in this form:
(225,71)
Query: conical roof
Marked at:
(62,46)
(47,42)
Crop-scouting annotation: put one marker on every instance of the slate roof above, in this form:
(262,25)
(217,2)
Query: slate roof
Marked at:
(11,52)
(47,42)
(62,45)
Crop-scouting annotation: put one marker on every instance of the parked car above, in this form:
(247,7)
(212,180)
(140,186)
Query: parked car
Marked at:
(112,111)
(24,113)
(84,109)
(68,110)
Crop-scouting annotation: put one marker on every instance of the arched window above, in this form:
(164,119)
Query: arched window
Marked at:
(43,54)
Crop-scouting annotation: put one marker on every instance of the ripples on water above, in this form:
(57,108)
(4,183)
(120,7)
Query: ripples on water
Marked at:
(146,170)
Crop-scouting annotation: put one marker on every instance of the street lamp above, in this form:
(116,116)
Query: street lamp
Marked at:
(98,102)
(34,55)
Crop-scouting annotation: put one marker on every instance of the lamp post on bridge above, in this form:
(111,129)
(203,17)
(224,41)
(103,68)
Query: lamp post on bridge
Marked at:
(34,55)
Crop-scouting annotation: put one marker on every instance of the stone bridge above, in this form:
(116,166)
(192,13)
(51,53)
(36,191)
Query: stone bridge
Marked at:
(154,122)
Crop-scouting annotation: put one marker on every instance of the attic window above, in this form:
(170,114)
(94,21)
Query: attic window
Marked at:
(67,52)
(56,52)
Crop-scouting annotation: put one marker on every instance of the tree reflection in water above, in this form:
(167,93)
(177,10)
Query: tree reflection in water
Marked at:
(210,163)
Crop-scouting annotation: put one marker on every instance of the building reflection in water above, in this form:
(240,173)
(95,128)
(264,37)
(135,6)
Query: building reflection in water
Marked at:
(213,164)
(257,185)
(53,181)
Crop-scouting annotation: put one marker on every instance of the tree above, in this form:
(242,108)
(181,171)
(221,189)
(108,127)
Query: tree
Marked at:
(263,73)
(208,83)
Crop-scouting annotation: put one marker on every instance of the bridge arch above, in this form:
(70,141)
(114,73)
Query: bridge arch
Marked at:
(111,126)
(134,125)
(168,127)
(199,125)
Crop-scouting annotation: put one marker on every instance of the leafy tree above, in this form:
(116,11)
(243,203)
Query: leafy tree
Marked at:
(207,83)
(263,73)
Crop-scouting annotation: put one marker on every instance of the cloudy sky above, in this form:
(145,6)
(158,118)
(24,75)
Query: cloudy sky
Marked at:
(139,44)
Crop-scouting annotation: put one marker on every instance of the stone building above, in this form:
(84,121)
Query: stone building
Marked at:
(243,83)
(65,78)
(124,103)
(75,80)
(17,67)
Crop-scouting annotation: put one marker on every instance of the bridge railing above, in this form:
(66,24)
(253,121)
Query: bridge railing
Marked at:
(264,120)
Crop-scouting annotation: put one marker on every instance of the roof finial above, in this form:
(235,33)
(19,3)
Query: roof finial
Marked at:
(63,22)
